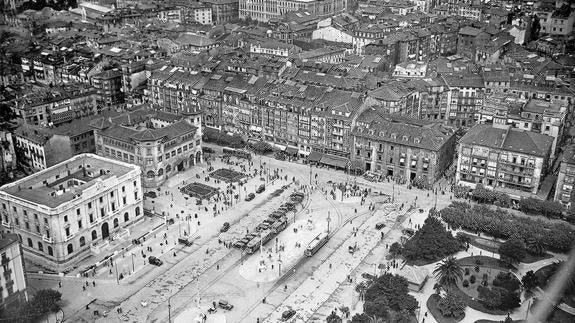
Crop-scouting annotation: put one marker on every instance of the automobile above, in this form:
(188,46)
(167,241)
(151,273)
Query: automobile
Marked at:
(288,314)
(269,221)
(225,227)
(250,197)
(225,305)
(262,227)
(380,226)
(290,206)
(240,244)
(155,261)
(185,242)
(151,194)
(297,194)
(261,188)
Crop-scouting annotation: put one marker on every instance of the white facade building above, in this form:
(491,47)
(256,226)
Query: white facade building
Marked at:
(71,209)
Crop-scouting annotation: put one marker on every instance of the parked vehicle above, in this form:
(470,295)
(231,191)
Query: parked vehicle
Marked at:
(225,305)
(262,227)
(261,188)
(151,194)
(225,227)
(240,244)
(155,261)
(286,315)
(380,226)
(250,197)
(185,241)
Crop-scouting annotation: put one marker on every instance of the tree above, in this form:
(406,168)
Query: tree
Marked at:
(451,305)
(535,246)
(378,307)
(490,297)
(395,249)
(47,300)
(448,272)
(333,318)
(360,318)
(431,242)
(529,281)
(512,251)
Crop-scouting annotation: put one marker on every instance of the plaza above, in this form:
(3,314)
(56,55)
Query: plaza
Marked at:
(274,278)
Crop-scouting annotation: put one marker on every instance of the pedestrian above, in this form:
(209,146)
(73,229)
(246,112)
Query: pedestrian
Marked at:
(83,288)
(60,284)
(425,314)
(217,267)
(93,283)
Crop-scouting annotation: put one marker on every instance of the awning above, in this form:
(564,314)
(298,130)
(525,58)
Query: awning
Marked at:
(303,153)
(335,161)
(292,151)
(280,147)
(315,156)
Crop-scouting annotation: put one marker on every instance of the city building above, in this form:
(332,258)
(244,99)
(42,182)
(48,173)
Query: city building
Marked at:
(264,10)
(108,85)
(70,210)
(504,159)
(557,21)
(40,148)
(223,11)
(13,285)
(566,177)
(541,117)
(401,147)
(160,143)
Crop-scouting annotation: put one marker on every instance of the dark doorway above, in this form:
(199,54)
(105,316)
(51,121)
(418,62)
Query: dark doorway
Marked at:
(198,157)
(105,230)
(389,172)
(368,166)
(412,176)
(181,166)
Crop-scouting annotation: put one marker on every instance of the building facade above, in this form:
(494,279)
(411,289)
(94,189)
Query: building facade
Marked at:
(65,212)
(403,148)
(504,159)
(566,177)
(264,10)
(41,148)
(13,287)
(161,143)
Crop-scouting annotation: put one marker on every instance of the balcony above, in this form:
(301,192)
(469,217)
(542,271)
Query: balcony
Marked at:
(70,237)
(5,260)
(47,239)
(7,224)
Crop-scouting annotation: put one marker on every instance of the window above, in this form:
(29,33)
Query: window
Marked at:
(136,195)
(94,235)
(27,225)
(70,248)
(50,251)
(79,224)
(116,223)
(124,200)
(126,217)
(101,199)
(82,241)
(102,213)
(112,194)
(67,231)
(38,228)
(123,189)
(40,246)
(89,205)
(77,212)
(91,216)
(30,243)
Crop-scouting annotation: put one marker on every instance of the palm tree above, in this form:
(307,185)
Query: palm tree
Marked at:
(448,272)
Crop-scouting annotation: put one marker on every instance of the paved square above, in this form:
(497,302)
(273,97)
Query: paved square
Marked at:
(227,175)
(199,190)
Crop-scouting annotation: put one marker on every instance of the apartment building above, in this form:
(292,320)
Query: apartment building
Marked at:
(566,177)
(108,85)
(401,147)
(505,159)
(13,285)
(40,148)
(541,117)
(72,209)
(160,143)
(264,10)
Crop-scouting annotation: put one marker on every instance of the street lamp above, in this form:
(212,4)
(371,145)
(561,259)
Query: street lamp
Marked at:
(328,221)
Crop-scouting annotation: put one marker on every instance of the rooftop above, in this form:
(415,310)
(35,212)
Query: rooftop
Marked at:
(509,139)
(67,180)
(7,239)
(542,106)
(402,130)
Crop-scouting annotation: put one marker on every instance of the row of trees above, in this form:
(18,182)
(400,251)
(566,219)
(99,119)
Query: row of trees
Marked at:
(221,138)
(483,195)
(45,301)
(502,224)
(550,209)
(430,243)
(386,298)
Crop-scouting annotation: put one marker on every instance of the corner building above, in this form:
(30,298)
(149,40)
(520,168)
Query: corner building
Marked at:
(65,212)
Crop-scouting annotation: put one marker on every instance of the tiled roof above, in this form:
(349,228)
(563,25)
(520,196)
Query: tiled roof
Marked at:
(509,139)
(402,130)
